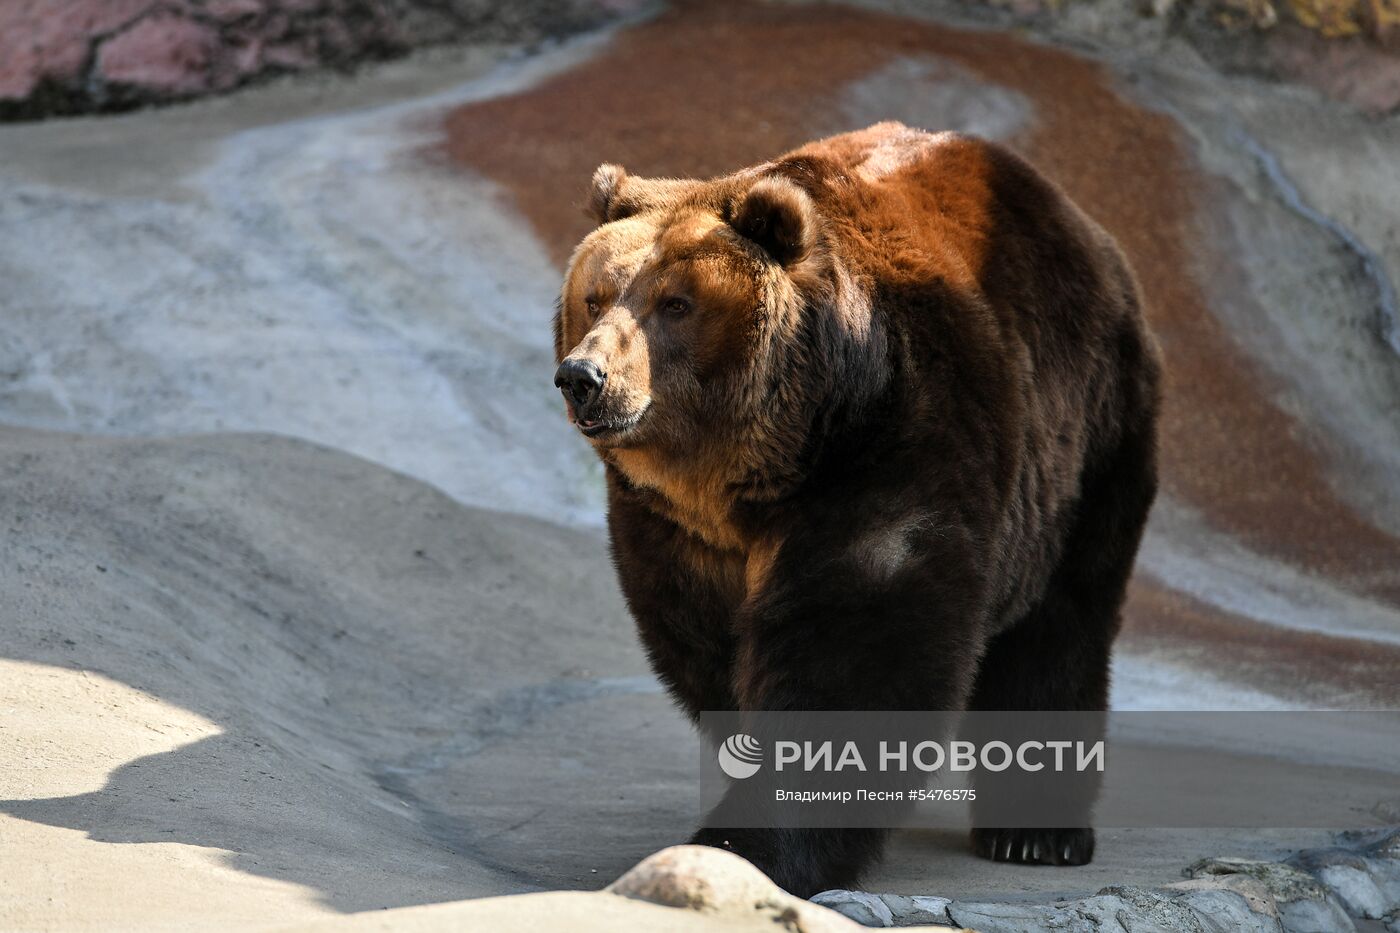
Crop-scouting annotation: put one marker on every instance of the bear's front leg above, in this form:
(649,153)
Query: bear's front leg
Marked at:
(829,634)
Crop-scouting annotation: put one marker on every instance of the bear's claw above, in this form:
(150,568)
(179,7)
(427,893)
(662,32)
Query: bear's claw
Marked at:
(1035,846)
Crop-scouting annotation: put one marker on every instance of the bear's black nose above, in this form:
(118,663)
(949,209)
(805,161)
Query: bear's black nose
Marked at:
(580,381)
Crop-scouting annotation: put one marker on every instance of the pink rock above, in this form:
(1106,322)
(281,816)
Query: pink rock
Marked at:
(19,73)
(1350,70)
(247,56)
(292,56)
(49,38)
(164,53)
(336,39)
(101,53)
(275,26)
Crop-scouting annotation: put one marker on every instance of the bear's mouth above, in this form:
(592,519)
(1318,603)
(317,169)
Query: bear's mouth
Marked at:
(594,428)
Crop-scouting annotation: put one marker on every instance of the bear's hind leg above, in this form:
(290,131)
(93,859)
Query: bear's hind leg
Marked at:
(1030,668)
(1057,657)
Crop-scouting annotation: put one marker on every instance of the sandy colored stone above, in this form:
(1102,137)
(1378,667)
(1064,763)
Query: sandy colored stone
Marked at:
(720,883)
(553,912)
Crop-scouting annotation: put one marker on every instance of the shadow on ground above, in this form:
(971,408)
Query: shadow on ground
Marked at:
(400,681)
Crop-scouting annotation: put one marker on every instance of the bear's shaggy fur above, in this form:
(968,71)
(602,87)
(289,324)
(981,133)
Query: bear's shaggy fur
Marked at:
(879,426)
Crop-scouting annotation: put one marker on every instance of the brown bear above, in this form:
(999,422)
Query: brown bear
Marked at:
(879,426)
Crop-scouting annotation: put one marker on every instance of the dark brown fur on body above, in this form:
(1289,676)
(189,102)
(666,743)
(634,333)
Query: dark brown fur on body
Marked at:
(879,426)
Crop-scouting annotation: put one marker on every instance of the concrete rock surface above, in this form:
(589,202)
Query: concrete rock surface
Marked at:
(1202,908)
(1324,890)
(1303,903)
(1365,878)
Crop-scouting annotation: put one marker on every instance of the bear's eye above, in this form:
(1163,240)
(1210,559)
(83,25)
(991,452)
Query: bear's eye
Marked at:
(675,307)
(593,307)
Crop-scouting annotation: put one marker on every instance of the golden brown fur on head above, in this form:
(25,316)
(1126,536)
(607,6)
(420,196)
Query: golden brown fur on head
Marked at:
(694,301)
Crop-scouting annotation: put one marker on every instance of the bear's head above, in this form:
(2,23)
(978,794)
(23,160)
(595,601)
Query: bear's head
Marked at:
(698,323)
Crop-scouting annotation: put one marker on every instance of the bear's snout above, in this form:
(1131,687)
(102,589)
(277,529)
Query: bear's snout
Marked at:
(581,381)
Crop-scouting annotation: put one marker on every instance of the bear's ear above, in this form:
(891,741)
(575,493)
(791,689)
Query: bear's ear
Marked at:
(778,216)
(604,190)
